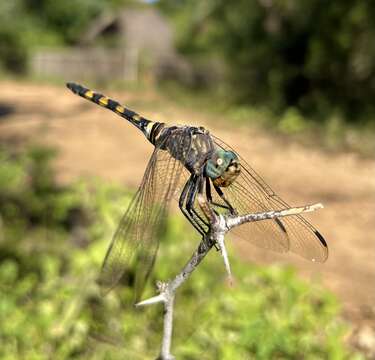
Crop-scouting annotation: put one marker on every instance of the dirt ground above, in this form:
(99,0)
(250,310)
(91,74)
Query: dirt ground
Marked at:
(93,141)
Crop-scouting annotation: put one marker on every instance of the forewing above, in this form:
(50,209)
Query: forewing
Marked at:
(250,193)
(137,237)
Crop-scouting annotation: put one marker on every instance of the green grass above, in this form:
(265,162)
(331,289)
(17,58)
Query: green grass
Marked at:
(52,241)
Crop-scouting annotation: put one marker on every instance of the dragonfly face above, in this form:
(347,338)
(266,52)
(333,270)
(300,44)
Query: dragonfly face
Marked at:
(223,167)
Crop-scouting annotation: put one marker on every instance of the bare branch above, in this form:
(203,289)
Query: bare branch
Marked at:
(238,220)
(221,243)
(219,226)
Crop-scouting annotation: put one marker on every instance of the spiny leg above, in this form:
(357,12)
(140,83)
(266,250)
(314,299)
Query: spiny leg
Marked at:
(194,189)
(209,197)
(228,204)
(182,206)
(208,190)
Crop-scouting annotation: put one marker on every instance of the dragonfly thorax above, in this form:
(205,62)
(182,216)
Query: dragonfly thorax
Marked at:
(223,167)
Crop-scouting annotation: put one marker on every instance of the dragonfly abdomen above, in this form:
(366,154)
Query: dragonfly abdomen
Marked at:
(148,127)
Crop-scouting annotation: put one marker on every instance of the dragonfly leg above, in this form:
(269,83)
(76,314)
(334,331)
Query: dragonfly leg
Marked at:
(208,190)
(228,204)
(182,206)
(196,187)
(209,197)
(209,194)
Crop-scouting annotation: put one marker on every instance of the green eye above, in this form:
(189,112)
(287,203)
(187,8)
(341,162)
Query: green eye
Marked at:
(219,166)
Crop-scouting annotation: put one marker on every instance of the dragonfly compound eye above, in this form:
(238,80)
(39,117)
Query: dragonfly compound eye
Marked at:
(223,167)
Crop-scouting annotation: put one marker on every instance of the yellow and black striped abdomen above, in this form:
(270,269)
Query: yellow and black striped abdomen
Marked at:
(148,127)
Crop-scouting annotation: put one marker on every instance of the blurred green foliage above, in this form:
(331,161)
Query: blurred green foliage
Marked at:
(52,241)
(315,56)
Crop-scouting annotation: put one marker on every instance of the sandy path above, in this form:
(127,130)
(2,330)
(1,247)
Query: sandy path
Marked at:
(92,141)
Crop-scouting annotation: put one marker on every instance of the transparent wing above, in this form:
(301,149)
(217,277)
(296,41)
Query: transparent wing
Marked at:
(250,193)
(137,236)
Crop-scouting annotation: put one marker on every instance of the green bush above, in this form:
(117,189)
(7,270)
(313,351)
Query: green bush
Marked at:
(50,304)
(13,53)
(311,55)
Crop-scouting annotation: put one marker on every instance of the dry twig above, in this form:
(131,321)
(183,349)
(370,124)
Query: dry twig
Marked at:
(219,226)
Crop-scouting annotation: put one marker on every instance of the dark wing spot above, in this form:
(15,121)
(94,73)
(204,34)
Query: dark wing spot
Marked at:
(321,238)
(281,225)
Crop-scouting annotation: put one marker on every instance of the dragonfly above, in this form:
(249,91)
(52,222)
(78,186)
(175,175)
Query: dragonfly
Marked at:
(187,161)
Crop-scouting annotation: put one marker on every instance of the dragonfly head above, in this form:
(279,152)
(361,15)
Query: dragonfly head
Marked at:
(223,167)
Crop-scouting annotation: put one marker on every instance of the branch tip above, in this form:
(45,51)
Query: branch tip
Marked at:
(153,300)
(224,254)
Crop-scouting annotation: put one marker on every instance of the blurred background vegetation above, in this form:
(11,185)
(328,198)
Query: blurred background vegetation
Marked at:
(52,240)
(301,68)
(306,67)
